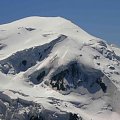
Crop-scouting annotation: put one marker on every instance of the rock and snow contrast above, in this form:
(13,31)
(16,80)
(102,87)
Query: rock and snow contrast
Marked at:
(51,69)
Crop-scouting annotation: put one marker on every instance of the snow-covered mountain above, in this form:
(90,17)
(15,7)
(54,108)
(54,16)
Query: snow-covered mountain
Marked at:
(51,69)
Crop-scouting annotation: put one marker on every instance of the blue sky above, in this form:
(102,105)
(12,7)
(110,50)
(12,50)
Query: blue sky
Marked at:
(100,18)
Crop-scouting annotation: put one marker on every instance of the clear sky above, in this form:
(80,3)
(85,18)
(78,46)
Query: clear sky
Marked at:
(100,18)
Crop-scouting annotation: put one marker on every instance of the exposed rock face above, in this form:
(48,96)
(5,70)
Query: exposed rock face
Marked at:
(74,117)
(14,109)
(77,76)
(23,60)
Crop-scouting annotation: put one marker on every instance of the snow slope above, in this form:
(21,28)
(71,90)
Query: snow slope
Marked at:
(51,69)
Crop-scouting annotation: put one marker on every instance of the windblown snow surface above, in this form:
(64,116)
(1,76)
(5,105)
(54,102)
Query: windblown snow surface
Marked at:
(51,69)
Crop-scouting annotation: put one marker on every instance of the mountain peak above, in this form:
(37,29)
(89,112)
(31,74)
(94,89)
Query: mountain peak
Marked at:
(52,69)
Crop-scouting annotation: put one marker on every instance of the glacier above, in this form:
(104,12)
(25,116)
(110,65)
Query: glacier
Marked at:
(51,69)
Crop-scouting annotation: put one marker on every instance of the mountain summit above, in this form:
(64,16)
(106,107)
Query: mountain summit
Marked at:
(51,69)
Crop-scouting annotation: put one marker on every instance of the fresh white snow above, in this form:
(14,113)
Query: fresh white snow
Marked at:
(35,52)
